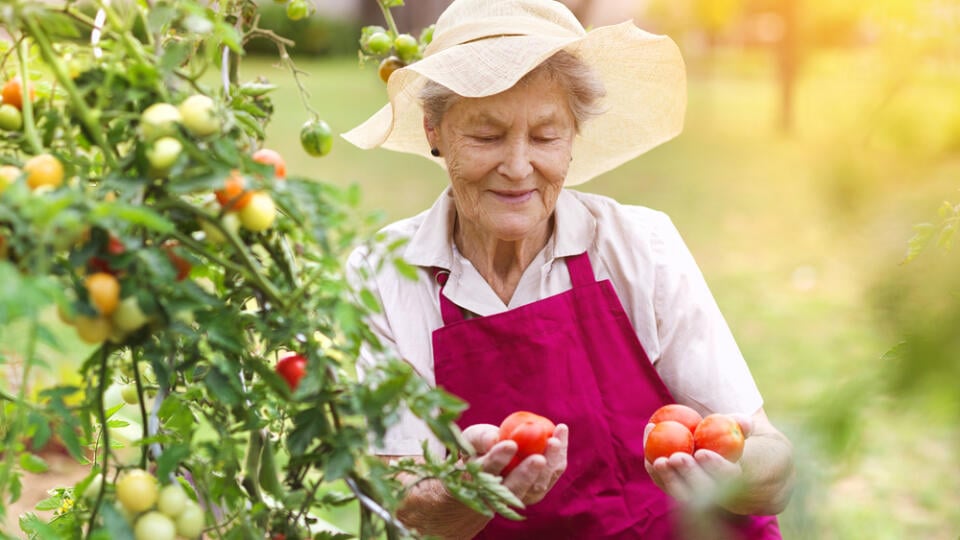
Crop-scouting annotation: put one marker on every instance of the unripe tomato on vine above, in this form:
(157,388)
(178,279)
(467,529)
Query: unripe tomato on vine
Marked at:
(10,118)
(137,490)
(259,213)
(104,292)
(298,9)
(199,114)
(388,66)
(316,138)
(159,120)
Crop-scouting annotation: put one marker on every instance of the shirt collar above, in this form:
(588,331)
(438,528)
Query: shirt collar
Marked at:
(432,244)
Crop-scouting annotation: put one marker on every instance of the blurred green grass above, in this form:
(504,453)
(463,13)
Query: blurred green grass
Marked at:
(792,233)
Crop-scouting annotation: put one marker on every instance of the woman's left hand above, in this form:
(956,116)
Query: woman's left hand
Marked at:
(699,476)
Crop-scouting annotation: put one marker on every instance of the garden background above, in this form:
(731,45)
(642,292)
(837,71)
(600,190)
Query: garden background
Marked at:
(800,217)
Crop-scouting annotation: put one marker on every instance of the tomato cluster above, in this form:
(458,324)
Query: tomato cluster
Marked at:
(156,513)
(530,431)
(678,428)
(392,49)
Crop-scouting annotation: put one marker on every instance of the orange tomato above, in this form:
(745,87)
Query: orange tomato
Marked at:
(272,157)
(667,438)
(722,434)
(43,170)
(104,292)
(234,195)
(678,413)
(13,92)
(530,431)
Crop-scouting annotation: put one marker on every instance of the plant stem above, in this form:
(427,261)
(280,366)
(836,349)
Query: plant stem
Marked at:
(104,431)
(89,120)
(387,16)
(29,126)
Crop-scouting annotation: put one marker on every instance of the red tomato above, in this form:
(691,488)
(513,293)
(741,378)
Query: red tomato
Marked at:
(272,157)
(292,368)
(530,431)
(667,438)
(181,265)
(722,434)
(678,413)
(234,195)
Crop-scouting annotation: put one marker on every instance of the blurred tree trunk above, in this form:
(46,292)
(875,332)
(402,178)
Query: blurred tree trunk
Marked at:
(788,59)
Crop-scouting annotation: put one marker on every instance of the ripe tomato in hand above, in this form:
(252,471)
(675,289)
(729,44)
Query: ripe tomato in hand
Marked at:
(292,368)
(678,413)
(530,431)
(722,434)
(666,438)
(272,157)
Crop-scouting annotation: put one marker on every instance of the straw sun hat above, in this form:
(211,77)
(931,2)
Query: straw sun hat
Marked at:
(483,47)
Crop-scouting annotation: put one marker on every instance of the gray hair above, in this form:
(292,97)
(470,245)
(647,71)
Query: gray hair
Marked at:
(584,89)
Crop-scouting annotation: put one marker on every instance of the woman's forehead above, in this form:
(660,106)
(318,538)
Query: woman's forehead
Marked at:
(542,100)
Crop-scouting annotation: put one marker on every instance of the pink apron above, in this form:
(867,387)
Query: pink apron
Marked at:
(574,358)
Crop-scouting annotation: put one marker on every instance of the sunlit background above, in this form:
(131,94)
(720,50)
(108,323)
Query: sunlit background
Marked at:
(820,135)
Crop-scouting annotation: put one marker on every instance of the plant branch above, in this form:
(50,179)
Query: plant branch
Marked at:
(387,16)
(29,126)
(105,433)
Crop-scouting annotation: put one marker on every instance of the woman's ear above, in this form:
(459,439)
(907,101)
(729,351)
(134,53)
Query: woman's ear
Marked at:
(431,132)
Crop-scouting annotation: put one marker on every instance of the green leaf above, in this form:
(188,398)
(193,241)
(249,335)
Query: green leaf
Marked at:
(136,215)
(115,524)
(37,528)
(33,463)
(369,301)
(921,237)
(169,461)
(50,503)
(405,269)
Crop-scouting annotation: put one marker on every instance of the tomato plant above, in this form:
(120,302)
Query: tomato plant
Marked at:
(186,272)
(530,431)
(720,433)
(666,438)
(678,413)
(387,66)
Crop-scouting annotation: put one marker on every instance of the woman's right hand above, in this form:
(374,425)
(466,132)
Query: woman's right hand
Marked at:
(536,475)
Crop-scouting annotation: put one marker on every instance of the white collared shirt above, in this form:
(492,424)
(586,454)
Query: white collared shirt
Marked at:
(638,249)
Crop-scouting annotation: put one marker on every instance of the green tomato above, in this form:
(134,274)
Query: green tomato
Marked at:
(379,43)
(200,115)
(129,393)
(172,501)
(426,36)
(154,526)
(137,490)
(190,522)
(406,47)
(93,488)
(159,120)
(297,9)
(229,221)
(11,119)
(128,317)
(316,138)
(163,153)
(258,215)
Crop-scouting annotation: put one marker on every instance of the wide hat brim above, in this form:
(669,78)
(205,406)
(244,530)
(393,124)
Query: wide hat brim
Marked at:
(643,74)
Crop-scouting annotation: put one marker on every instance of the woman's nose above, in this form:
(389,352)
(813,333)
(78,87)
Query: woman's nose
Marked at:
(516,163)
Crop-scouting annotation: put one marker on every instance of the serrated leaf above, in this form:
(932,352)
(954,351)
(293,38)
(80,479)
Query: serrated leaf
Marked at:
(33,463)
(50,503)
(37,528)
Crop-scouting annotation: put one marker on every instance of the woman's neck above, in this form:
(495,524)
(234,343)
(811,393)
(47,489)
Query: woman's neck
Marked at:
(500,262)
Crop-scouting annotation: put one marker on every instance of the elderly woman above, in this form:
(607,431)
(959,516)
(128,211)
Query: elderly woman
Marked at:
(531,296)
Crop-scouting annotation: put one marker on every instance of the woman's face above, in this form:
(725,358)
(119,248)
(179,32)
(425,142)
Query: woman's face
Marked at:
(507,156)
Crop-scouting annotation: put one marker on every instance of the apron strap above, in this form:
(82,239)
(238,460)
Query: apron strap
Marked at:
(581,271)
(450,312)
